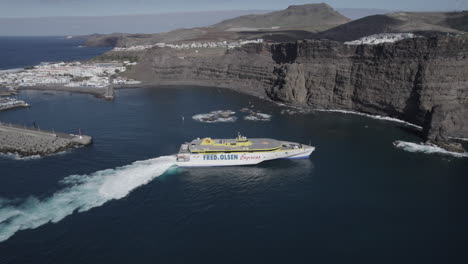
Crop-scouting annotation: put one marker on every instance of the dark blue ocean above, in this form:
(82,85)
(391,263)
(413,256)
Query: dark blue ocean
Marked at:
(358,199)
(20,52)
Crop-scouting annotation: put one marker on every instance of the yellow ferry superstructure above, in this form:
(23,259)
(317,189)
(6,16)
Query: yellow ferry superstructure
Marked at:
(209,152)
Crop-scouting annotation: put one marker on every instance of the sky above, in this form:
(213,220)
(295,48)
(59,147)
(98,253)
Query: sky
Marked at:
(48,8)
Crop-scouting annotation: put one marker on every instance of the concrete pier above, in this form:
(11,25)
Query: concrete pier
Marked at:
(20,105)
(10,103)
(109,94)
(30,141)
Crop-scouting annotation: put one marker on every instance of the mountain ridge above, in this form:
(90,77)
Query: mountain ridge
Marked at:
(400,22)
(311,17)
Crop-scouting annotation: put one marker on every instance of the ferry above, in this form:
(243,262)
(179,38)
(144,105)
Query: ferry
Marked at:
(209,152)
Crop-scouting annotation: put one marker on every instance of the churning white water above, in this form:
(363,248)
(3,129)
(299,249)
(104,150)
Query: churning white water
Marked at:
(81,193)
(427,148)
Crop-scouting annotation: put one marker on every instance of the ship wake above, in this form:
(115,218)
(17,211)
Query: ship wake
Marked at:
(80,194)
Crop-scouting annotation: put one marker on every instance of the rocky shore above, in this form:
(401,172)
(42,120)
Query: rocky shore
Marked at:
(30,142)
(99,92)
(414,79)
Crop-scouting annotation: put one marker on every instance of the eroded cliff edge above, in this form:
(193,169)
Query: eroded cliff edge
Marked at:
(420,80)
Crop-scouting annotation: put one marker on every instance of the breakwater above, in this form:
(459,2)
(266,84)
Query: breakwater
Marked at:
(10,103)
(31,141)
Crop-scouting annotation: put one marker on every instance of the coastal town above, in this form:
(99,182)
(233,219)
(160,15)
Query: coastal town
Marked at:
(381,38)
(192,45)
(71,74)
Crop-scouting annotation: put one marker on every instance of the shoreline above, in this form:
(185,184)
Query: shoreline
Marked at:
(61,88)
(378,117)
(205,84)
(101,93)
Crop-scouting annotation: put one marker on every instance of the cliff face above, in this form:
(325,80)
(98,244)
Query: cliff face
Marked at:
(414,80)
(249,70)
(406,80)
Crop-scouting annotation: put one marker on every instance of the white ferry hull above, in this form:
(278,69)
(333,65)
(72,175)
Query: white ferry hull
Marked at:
(238,159)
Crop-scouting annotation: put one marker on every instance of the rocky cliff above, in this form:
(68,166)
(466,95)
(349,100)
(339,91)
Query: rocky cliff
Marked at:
(420,80)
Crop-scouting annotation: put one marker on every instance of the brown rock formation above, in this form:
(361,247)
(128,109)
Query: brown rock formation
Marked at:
(407,80)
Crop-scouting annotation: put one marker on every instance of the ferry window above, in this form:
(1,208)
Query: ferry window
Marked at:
(233,144)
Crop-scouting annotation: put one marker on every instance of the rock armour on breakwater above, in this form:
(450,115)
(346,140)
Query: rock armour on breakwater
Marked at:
(31,142)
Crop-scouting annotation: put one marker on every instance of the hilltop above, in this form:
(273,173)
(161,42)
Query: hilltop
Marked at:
(295,22)
(311,21)
(310,17)
(417,22)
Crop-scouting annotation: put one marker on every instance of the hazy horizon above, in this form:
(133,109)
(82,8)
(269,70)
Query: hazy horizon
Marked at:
(149,23)
(86,25)
(100,8)
(54,18)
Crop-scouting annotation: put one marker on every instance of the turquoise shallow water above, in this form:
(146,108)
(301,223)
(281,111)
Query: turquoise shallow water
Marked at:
(357,199)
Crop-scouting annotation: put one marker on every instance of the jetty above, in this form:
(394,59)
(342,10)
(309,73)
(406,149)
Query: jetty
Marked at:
(10,103)
(27,141)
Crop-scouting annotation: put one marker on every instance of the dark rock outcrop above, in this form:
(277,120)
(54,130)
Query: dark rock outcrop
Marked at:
(409,79)
(440,121)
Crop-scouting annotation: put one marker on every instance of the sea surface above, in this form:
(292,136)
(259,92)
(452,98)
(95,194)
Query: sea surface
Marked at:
(358,199)
(20,52)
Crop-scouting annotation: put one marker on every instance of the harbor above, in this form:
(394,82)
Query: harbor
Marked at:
(94,78)
(27,141)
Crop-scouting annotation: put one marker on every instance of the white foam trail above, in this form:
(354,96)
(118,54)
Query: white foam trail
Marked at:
(379,117)
(16,156)
(427,148)
(82,192)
